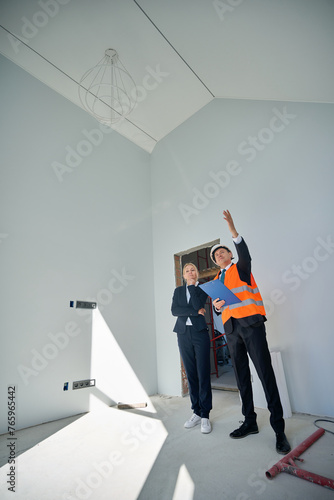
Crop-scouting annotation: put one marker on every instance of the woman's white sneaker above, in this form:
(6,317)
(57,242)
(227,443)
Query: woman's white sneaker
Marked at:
(205,426)
(194,420)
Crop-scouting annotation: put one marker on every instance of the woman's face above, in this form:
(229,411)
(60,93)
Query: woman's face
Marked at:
(190,273)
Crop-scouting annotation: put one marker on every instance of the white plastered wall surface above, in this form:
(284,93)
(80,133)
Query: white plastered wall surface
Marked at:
(270,164)
(75,200)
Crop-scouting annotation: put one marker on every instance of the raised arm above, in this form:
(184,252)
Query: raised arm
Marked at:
(228,217)
(244,258)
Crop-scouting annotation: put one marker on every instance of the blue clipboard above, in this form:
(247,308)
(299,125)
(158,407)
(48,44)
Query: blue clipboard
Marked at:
(217,290)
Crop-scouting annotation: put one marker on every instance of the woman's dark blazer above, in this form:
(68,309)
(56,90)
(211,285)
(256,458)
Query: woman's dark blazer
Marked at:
(182,309)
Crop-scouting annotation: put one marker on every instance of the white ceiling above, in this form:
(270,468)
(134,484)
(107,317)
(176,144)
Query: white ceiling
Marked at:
(198,50)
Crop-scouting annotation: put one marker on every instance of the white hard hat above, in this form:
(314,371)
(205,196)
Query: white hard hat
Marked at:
(215,247)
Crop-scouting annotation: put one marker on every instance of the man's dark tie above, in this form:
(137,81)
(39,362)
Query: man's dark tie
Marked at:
(222,275)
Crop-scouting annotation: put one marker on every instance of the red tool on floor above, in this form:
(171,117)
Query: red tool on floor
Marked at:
(288,465)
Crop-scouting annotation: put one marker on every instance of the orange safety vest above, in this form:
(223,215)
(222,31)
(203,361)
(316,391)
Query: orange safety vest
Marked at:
(251,301)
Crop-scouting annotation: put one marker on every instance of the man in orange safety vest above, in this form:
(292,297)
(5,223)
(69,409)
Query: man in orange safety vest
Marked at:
(245,333)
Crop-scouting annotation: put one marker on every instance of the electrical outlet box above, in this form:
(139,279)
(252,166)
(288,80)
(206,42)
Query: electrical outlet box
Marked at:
(81,304)
(82,384)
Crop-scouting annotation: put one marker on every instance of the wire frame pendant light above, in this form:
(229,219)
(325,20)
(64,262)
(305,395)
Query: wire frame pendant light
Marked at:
(107,91)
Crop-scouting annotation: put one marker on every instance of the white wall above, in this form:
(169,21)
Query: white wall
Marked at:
(84,234)
(279,190)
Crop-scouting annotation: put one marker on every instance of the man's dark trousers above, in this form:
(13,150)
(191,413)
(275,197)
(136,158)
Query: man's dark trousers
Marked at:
(252,339)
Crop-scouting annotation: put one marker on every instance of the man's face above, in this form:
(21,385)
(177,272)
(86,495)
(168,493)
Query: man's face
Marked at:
(222,257)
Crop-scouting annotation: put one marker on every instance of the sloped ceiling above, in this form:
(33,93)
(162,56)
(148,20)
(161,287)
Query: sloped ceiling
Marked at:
(181,53)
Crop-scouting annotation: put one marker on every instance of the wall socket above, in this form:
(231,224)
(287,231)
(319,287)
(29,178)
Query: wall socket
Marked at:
(82,384)
(81,304)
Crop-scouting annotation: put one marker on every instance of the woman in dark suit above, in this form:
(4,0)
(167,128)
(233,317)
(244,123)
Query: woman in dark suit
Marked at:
(194,345)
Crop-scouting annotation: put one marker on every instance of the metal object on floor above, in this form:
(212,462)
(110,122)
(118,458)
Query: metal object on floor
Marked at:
(287,464)
(129,406)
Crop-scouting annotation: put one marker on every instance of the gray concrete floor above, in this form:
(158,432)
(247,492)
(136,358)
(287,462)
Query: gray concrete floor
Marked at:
(113,454)
(226,378)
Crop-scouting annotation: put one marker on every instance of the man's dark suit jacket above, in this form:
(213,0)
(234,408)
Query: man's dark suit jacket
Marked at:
(182,309)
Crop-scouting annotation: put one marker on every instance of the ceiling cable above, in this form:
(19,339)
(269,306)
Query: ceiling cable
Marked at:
(172,46)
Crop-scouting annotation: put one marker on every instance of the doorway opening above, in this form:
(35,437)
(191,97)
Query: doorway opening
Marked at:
(222,373)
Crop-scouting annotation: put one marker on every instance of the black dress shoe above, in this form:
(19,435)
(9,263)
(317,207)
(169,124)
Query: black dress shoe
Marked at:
(244,430)
(282,444)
